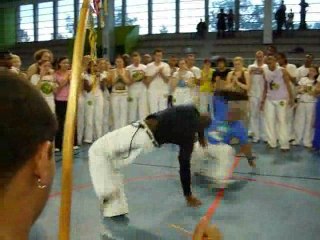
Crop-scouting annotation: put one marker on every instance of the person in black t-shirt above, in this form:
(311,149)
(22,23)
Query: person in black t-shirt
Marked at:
(220,75)
(177,125)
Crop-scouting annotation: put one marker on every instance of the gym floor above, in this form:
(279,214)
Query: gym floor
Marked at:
(280,202)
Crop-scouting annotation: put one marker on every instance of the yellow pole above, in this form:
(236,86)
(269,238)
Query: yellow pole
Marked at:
(69,129)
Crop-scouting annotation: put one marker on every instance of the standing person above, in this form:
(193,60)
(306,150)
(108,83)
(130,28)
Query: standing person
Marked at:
(304,69)
(176,125)
(63,78)
(27,164)
(256,71)
(173,63)
(94,86)
(158,74)
(104,68)
(221,23)
(39,56)
(197,76)
(119,79)
(206,87)
(316,137)
(146,59)
(304,119)
(292,70)
(220,74)
(289,23)
(280,17)
(182,85)
(45,81)
(230,20)
(16,65)
(82,100)
(277,97)
(237,87)
(138,104)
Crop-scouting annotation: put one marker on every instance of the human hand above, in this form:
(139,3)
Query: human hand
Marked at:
(193,201)
(204,231)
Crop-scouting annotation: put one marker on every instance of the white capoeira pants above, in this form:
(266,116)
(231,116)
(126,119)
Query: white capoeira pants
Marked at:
(158,99)
(303,123)
(119,105)
(222,154)
(206,102)
(182,96)
(138,104)
(276,123)
(80,118)
(257,123)
(290,119)
(106,112)
(110,153)
(50,102)
(93,117)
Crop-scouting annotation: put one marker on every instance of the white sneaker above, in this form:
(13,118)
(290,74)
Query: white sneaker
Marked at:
(75,147)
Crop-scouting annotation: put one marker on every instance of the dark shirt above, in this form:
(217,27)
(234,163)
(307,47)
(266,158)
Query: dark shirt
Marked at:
(221,74)
(179,125)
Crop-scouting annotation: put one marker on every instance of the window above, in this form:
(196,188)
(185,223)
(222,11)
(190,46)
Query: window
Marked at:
(191,11)
(25,24)
(137,14)
(118,13)
(65,19)
(251,15)
(45,21)
(214,9)
(163,16)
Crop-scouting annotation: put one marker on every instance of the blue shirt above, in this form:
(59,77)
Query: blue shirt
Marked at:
(223,131)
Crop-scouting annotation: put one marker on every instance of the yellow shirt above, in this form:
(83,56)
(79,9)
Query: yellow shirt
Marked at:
(206,81)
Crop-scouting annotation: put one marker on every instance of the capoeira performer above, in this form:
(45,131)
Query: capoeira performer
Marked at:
(182,84)
(224,127)
(177,125)
(138,104)
(256,71)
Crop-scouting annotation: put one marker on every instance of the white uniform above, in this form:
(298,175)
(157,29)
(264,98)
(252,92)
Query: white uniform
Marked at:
(47,85)
(108,155)
(196,90)
(302,72)
(305,114)
(93,110)
(182,94)
(81,117)
(138,104)
(292,70)
(158,91)
(106,106)
(119,102)
(221,154)
(275,109)
(257,124)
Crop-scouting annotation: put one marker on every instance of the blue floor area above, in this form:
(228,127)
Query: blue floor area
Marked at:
(280,202)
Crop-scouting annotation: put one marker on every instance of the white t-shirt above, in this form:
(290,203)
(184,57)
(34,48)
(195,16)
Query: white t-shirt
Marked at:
(305,97)
(293,72)
(182,78)
(196,72)
(47,84)
(137,72)
(257,80)
(96,90)
(302,72)
(158,83)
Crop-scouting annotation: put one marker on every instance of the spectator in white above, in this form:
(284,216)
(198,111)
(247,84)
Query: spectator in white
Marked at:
(104,68)
(39,56)
(277,97)
(197,75)
(256,71)
(45,81)
(158,74)
(138,105)
(173,63)
(94,86)
(119,78)
(16,65)
(292,70)
(182,84)
(146,59)
(304,69)
(82,101)
(305,113)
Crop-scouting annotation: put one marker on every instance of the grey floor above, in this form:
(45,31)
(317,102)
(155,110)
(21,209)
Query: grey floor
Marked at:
(281,202)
